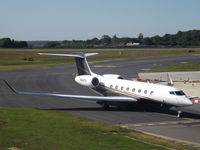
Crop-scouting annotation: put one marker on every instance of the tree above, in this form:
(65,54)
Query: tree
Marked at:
(94,41)
(157,40)
(23,44)
(52,44)
(106,39)
(167,39)
(6,43)
(147,41)
(140,37)
(115,38)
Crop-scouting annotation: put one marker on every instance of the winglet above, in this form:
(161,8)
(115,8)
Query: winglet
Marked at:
(10,87)
(170,81)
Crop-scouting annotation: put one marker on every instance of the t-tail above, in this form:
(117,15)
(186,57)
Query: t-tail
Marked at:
(82,65)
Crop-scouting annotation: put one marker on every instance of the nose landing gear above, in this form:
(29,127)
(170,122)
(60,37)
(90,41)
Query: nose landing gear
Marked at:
(179,112)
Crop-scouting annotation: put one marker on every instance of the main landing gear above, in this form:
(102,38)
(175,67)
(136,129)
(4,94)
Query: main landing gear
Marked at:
(105,105)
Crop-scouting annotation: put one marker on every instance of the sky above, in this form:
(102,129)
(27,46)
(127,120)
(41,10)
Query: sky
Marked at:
(86,19)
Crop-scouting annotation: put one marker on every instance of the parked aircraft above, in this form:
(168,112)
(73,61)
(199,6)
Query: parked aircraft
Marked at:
(114,89)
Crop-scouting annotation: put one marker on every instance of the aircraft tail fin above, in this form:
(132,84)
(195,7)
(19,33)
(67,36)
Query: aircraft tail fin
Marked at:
(82,65)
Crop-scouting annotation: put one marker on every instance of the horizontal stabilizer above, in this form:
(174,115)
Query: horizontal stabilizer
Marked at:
(83,67)
(80,55)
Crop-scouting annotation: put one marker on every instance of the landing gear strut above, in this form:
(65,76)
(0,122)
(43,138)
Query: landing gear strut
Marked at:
(179,113)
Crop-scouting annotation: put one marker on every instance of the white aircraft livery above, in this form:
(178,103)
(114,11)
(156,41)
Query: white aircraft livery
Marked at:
(116,90)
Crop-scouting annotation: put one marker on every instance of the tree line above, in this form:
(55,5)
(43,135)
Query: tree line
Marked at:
(189,38)
(8,43)
(180,39)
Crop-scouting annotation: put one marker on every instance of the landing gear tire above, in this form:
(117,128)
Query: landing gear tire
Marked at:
(105,106)
(179,115)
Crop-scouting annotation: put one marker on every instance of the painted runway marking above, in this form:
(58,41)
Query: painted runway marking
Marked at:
(104,66)
(145,69)
(59,73)
(142,141)
(183,142)
(182,122)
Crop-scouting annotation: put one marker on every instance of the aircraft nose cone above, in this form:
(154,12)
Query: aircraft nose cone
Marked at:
(188,102)
(184,102)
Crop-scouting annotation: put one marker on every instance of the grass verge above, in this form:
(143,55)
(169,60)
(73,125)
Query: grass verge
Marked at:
(32,129)
(177,67)
(10,60)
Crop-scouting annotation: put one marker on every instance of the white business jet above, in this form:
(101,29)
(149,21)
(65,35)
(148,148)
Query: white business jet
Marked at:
(114,89)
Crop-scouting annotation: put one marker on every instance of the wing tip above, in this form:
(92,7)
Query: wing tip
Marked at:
(10,87)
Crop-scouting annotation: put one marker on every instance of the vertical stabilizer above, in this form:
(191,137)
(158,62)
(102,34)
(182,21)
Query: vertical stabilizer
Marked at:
(82,65)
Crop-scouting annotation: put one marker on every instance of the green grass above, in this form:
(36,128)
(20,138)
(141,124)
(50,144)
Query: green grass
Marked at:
(177,67)
(29,129)
(10,60)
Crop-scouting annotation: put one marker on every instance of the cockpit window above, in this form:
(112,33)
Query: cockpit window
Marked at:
(179,93)
(120,77)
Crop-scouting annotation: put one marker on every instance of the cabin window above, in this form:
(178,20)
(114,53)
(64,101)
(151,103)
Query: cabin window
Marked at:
(133,90)
(127,88)
(152,92)
(139,91)
(122,88)
(116,87)
(172,93)
(145,92)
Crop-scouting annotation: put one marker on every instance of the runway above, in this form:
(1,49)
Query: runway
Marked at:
(61,80)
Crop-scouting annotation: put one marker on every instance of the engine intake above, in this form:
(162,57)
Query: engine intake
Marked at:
(95,81)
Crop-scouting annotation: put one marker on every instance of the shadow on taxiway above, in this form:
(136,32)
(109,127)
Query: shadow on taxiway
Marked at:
(135,109)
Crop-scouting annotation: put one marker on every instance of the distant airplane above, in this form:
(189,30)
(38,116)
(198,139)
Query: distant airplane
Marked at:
(116,90)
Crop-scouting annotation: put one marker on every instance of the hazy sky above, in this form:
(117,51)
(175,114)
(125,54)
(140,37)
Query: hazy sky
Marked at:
(85,19)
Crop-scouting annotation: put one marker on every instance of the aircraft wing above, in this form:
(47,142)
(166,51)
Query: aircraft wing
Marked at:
(82,97)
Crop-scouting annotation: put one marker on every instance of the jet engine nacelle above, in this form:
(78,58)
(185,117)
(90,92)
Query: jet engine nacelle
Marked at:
(112,76)
(87,80)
